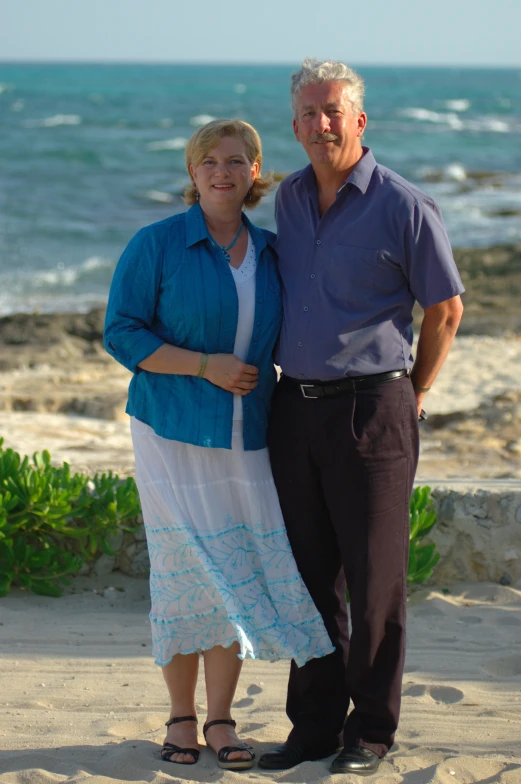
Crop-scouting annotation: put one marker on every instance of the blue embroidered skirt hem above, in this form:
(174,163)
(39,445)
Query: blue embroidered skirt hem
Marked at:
(222,569)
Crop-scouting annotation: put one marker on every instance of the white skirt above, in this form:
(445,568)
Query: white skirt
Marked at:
(221,566)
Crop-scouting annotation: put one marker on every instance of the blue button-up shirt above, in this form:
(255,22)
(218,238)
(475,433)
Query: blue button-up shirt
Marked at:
(351,276)
(172,286)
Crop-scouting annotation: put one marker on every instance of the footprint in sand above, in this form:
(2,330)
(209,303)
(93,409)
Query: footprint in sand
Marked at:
(417,690)
(446,694)
(244,703)
(252,690)
(249,728)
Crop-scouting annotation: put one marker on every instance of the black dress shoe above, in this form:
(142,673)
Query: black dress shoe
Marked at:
(291,753)
(357,760)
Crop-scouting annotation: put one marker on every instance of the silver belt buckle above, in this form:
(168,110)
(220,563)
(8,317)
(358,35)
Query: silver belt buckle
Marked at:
(308,386)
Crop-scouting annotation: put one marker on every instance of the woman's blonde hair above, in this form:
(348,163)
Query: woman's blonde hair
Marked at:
(208,137)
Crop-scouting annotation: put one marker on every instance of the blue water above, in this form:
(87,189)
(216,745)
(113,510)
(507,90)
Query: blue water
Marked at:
(89,153)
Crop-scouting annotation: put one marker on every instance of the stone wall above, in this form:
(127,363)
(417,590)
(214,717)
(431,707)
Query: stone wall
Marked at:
(478,531)
(478,534)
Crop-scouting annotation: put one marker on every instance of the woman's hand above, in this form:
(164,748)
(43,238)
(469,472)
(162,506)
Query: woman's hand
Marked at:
(230,373)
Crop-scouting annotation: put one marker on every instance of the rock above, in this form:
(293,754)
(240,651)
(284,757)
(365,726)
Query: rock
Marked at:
(104,565)
(115,540)
(141,533)
(515,447)
(505,579)
(84,570)
(140,565)
(446,509)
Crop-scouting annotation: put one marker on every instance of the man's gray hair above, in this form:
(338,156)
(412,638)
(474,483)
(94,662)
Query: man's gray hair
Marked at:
(313,71)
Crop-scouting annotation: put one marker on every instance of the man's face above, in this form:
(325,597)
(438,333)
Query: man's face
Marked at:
(327,127)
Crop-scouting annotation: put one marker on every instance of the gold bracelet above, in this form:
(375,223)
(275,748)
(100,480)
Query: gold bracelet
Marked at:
(421,389)
(202,366)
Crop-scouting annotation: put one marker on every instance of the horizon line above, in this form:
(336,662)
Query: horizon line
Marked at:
(238,63)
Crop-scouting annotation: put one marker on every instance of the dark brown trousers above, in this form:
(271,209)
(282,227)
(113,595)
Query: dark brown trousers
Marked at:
(344,468)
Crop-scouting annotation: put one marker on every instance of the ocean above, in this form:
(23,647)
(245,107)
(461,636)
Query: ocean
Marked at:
(90,153)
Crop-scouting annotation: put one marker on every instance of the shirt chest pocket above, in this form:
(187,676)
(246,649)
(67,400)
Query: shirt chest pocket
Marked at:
(350,274)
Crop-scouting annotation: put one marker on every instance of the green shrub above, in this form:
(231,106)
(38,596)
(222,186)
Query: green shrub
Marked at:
(422,557)
(51,522)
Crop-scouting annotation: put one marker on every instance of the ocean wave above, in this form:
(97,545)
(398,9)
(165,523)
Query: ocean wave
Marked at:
(75,287)
(160,197)
(54,121)
(93,269)
(5,88)
(168,144)
(487,123)
(457,172)
(492,124)
(239,89)
(201,119)
(428,115)
(458,104)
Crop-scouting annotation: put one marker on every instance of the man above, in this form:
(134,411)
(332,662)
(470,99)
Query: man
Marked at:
(357,246)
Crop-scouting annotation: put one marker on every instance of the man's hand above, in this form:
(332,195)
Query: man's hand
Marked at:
(230,373)
(439,326)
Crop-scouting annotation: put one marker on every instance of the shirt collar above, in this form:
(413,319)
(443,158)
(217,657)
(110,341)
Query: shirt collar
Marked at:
(196,229)
(195,225)
(360,177)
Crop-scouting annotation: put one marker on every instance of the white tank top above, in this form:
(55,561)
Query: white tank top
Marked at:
(244,278)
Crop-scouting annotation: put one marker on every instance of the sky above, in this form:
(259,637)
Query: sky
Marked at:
(394,32)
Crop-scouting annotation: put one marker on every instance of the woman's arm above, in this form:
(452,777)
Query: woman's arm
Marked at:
(128,335)
(130,313)
(223,370)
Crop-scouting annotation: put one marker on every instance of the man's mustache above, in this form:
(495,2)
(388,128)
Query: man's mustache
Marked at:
(322,137)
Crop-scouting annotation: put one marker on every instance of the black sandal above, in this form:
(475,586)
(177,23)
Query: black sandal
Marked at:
(169,749)
(224,753)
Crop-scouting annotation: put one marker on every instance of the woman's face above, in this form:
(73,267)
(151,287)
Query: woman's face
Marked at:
(225,174)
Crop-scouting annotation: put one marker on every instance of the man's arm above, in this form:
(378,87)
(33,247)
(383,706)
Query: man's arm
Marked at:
(439,326)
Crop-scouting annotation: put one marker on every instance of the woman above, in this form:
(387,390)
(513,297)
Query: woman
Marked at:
(194,312)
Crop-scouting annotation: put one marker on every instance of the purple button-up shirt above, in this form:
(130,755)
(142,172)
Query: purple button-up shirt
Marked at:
(351,276)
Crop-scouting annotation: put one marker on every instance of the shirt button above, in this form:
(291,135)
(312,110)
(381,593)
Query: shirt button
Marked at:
(312,277)
(306,308)
(300,343)
(319,242)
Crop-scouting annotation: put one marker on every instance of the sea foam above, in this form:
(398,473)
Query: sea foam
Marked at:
(427,115)
(161,197)
(168,144)
(67,276)
(201,119)
(487,123)
(54,121)
(458,105)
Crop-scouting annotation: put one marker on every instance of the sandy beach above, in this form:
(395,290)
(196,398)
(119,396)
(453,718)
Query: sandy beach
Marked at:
(82,701)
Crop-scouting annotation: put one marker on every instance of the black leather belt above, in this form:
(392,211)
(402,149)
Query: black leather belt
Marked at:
(316,389)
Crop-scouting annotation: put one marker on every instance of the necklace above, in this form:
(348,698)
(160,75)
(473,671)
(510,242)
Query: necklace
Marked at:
(226,248)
